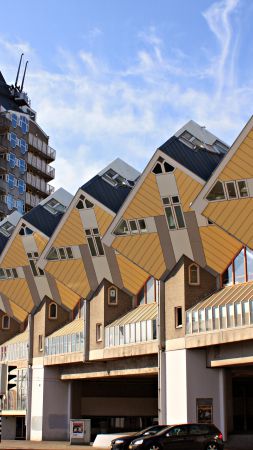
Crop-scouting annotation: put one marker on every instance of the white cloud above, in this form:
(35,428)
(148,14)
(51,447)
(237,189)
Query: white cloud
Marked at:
(95,113)
(218,17)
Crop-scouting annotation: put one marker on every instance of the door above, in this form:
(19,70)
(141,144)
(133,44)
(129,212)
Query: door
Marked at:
(20,428)
(177,438)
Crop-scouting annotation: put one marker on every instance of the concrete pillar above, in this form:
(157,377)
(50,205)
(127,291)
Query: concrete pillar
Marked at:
(188,379)
(50,405)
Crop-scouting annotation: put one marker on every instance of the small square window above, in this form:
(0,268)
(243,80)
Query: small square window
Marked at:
(142,225)
(178,317)
(175,199)
(88,232)
(99,332)
(112,295)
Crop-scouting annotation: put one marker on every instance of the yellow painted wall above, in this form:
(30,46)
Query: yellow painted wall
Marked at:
(40,241)
(71,273)
(147,200)
(18,292)
(68,297)
(16,255)
(219,247)
(234,216)
(18,313)
(104,219)
(133,277)
(71,232)
(188,188)
(240,165)
(144,250)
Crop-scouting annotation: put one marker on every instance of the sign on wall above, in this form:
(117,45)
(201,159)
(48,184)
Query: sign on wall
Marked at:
(79,431)
(204,410)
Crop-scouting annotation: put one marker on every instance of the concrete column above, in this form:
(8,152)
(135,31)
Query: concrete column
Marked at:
(188,379)
(37,400)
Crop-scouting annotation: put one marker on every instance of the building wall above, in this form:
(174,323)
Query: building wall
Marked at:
(8,427)
(185,385)
(14,329)
(56,414)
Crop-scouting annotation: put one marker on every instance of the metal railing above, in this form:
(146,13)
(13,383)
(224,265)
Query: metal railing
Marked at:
(131,333)
(39,184)
(13,352)
(41,146)
(40,165)
(32,200)
(68,343)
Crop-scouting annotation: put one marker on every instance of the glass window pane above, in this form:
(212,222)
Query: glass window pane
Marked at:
(251,311)
(141,297)
(238,314)
(133,226)
(143,330)
(127,334)
(209,324)
(142,225)
(249,254)
(239,268)
(217,192)
(132,332)
(243,189)
(111,336)
(149,330)
(138,332)
(188,323)
(245,313)
(116,335)
(202,324)
(231,190)
(121,229)
(170,218)
(62,253)
(154,329)
(230,315)
(121,335)
(227,277)
(99,246)
(216,318)
(92,246)
(195,322)
(223,317)
(180,217)
(150,291)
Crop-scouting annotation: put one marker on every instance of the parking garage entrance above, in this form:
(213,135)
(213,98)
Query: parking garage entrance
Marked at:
(117,404)
(242,388)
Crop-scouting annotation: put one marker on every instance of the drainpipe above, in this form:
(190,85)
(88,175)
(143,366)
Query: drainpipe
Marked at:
(161,354)
(29,377)
(86,327)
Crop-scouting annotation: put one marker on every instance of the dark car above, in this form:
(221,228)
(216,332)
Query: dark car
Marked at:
(182,437)
(122,443)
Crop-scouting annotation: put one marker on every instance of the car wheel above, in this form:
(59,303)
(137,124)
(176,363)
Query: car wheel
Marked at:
(212,446)
(154,447)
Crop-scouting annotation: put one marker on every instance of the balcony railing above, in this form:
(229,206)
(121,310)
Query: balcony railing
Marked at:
(32,200)
(220,317)
(131,333)
(42,147)
(39,184)
(5,123)
(41,166)
(68,343)
(13,352)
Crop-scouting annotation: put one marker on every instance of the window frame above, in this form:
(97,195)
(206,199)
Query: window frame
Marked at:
(190,282)
(99,332)
(50,316)
(178,323)
(9,322)
(93,238)
(171,205)
(110,303)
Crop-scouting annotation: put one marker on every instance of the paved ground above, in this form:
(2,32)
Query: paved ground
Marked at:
(56,445)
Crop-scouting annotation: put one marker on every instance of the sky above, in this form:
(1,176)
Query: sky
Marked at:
(117,78)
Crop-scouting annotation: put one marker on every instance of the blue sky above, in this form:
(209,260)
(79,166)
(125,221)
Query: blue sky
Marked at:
(116,78)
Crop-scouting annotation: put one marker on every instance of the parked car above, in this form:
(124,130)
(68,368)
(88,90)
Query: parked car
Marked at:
(193,436)
(122,443)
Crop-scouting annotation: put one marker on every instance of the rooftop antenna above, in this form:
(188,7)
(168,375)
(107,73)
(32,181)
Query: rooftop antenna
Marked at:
(16,82)
(22,85)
